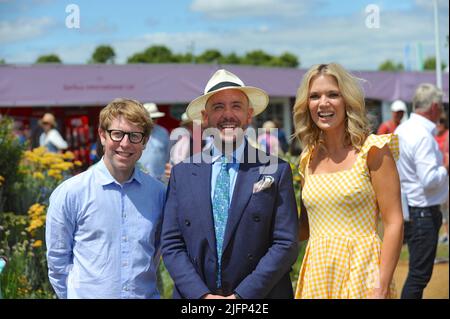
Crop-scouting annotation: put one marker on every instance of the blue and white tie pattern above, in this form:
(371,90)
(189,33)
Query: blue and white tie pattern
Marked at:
(220,205)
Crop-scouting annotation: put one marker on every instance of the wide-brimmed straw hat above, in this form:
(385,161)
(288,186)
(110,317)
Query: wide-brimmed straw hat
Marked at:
(48,118)
(185,119)
(224,80)
(153,110)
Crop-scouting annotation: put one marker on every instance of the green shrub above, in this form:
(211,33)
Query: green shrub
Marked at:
(11,152)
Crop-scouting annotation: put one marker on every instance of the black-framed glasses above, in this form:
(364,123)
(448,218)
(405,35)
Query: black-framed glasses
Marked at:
(133,137)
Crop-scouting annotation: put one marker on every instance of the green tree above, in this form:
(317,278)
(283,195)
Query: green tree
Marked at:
(138,58)
(159,54)
(183,58)
(103,54)
(231,58)
(258,57)
(153,54)
(209,56)
(2,61)
(289,60)
(50,58)
(430,64)
(390,65)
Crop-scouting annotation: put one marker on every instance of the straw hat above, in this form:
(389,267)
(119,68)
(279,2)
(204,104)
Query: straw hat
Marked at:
(152,109)
(185,119)
(48,118)
(223,80)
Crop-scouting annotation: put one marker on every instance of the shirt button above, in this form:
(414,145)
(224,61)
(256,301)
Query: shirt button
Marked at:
(125,288)
(124,238)
(124,264)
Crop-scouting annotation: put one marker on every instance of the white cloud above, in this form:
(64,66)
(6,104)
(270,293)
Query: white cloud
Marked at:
(24,29)
(346,40)
(227,9)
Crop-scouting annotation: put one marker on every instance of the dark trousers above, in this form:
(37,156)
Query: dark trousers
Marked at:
(421,235)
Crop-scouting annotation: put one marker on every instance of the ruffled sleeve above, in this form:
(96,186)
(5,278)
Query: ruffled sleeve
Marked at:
(304,158)
(380,141)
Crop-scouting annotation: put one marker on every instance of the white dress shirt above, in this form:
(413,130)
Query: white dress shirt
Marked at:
(424,179)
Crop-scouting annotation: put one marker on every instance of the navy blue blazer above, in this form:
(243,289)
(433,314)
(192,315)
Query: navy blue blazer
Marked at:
(260,243)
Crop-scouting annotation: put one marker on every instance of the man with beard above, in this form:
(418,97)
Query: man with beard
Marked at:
(230,220)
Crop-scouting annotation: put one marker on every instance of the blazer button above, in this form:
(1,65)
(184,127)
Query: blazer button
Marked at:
(250,256)
(187,222)
(256,218)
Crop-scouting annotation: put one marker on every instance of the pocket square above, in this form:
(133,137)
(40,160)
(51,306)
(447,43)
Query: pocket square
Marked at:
(263,184)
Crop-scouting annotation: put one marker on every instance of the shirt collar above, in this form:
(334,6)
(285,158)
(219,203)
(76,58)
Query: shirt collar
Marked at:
(429,125)
(237,153)
(104,177)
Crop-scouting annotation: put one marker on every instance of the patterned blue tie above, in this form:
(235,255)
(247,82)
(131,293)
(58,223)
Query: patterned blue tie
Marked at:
(220,205)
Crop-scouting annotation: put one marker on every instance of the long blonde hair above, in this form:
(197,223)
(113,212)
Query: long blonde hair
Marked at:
(357,124)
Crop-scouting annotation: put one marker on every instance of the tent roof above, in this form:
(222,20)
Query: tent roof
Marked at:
(98,84)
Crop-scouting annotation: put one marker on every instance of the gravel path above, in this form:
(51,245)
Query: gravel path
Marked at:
(437,287)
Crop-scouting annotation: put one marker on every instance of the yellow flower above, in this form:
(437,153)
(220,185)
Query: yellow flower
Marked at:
(37,243)
(78,163)
(38,175)
(37,217)
(64,166)
(35,224)
(68,156)
(36,209)
(55,173)
(2,179)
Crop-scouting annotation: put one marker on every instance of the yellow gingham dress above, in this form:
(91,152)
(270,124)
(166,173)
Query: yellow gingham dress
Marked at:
(342,257)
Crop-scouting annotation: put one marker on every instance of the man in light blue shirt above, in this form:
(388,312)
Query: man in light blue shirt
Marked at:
(103,225)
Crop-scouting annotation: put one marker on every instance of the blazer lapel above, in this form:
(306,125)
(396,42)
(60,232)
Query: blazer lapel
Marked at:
(243,190)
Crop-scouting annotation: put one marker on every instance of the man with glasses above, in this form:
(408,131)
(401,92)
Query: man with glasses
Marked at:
(103,225)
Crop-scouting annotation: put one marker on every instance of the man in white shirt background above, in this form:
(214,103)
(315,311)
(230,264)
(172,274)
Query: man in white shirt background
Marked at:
(424,180)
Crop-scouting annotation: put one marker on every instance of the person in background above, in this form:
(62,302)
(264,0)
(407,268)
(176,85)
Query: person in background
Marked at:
(50,137)
(157,151)
(281,136)
(398,110)
(442,140)
(103,225)
(348,179)
(424,181)
(268,140)
(183,146)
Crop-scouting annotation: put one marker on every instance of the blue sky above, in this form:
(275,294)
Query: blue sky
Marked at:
(317,31)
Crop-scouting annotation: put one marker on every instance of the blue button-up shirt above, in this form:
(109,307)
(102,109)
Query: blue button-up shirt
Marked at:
(103,237)
(233,167)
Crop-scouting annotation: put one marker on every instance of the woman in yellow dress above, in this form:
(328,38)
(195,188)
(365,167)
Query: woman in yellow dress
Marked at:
(349,177)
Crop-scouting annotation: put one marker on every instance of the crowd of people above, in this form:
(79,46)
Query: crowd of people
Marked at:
(219,205)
